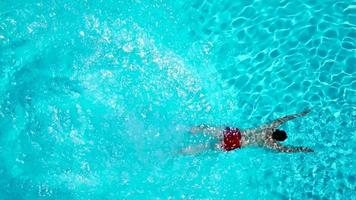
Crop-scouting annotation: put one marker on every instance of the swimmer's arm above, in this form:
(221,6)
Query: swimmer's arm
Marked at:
(285,149)
(282,120)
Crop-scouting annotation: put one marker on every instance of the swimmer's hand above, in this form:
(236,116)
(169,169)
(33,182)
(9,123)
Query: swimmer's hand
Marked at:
(305,112)
(284,119)
(290,149)
(306,149)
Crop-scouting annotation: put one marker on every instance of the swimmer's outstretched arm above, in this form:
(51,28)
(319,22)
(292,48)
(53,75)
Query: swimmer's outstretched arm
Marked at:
(285,149)
(282,120)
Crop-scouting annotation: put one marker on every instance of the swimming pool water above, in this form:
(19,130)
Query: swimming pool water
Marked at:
(97,97)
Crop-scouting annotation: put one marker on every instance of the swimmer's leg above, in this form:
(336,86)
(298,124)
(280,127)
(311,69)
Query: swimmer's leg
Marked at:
(216,131)
(198,149)
(191,150)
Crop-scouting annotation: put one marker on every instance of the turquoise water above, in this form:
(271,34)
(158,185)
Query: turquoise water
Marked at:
(97,96)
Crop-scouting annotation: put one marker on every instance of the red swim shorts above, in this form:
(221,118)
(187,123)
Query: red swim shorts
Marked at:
(232,139)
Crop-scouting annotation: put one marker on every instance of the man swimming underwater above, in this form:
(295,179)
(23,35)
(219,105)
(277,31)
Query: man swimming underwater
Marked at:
(267,136)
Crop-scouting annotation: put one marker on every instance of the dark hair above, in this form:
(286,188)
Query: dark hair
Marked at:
(279,135)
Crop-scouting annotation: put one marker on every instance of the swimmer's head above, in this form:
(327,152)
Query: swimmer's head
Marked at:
(279,135)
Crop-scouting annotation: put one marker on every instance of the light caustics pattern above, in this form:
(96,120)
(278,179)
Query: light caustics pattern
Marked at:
(97,97)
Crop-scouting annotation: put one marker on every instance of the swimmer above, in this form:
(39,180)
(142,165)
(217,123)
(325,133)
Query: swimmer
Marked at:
(267,136)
